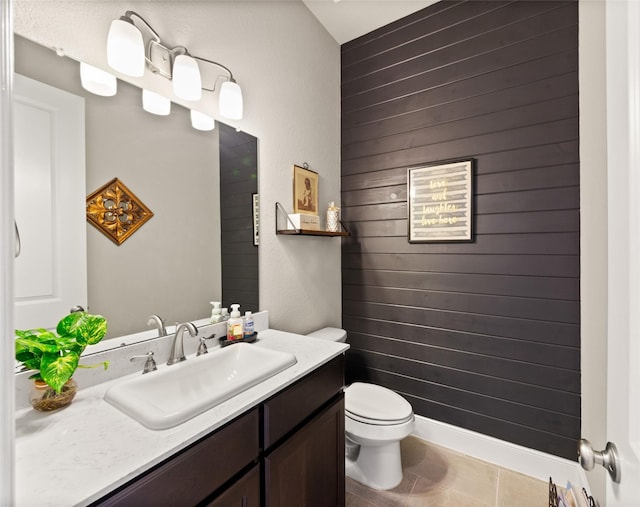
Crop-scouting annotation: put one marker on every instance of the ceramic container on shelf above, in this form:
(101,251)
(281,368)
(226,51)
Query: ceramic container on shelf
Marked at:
(333,218)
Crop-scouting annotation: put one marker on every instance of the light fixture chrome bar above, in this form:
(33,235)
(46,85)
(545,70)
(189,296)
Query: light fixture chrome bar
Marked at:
(127,17)
(217,64)
(160,58)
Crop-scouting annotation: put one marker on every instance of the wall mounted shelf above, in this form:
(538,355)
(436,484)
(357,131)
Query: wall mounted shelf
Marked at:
(284,225)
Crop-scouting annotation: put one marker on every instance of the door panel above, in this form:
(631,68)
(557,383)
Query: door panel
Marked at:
(51,270)
(623,131)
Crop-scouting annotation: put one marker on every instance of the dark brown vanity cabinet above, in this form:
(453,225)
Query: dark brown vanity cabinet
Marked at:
(288,451)
(191,476)
(308,468)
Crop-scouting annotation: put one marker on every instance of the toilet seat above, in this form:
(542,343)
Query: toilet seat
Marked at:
(377,422)
(376,405)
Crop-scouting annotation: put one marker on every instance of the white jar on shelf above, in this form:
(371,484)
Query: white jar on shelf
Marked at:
(333,218)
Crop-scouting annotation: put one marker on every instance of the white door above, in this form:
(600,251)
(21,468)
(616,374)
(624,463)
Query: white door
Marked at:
(51,269)
(623,147)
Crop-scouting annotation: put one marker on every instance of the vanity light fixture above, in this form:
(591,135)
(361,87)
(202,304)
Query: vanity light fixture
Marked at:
(201,121)
(155,103)
(126,48)
(187,83)
(97,81)
(231,100)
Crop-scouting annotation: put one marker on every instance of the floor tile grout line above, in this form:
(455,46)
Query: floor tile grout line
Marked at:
(498,487)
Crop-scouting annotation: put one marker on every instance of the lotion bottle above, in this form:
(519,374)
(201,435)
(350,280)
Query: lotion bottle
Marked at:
(234,324)
(249,327)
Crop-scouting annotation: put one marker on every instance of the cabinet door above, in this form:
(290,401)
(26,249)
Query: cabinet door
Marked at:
(244,493)
(308,468)
(192,476)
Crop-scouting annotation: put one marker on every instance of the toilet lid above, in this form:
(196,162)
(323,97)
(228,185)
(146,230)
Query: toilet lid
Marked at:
(376,403)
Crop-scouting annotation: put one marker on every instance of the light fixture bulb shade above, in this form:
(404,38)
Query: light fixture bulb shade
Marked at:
(187,83)
(201,121)
(97,81)
(155,103)
(230,100)
(125,48)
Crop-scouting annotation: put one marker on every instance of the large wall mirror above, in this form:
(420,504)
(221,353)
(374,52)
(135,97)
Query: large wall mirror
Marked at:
(200,244)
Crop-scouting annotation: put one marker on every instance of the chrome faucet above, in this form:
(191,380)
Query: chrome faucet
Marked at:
(157,322)
(177,349)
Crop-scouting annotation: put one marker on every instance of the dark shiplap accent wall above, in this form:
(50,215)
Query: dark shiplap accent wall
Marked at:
(482,335)
(238,183)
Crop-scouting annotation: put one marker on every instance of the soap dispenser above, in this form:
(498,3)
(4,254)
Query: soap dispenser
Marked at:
(234,324)
(216,311)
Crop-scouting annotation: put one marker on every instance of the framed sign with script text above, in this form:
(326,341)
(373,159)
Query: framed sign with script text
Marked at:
(440,202)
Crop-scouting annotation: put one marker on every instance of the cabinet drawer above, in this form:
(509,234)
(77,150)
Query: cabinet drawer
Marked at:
(286,410)
(194,474)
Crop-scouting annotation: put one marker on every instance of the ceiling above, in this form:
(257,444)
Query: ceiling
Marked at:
(346,20)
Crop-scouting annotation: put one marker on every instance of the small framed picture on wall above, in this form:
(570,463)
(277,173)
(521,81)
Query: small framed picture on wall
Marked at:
(440,202)
(305,190)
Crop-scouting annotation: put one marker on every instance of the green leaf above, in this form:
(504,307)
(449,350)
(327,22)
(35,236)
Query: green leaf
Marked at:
(85,328)
(36,345)
(57,369)
(28,333)
(29,360)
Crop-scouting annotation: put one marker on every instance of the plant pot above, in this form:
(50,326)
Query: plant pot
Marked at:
(45,399)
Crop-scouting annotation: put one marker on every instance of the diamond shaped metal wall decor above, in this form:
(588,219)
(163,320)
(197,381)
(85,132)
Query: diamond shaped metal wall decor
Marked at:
(116,211)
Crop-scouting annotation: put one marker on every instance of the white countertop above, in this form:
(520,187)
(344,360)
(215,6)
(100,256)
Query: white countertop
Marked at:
(78,454)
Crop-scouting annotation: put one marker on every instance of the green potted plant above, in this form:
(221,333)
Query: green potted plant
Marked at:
(56,356)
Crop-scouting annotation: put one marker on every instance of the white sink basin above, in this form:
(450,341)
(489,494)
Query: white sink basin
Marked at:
(174,394)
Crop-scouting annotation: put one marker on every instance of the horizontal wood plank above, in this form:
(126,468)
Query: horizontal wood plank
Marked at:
(366,330)
(561,401)
(484,304)
(527,222)
(559,333)
(516,265)
(551,288)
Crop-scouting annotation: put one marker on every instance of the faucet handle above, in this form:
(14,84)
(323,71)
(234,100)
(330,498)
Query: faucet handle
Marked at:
(150,363)
(202,348)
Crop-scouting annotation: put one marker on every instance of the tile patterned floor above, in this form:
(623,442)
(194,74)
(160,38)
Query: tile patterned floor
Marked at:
(438,477)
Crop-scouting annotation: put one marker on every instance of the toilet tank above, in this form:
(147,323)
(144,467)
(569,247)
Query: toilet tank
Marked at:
(334,334)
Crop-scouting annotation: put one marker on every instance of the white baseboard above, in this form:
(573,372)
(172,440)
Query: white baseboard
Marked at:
(498,452)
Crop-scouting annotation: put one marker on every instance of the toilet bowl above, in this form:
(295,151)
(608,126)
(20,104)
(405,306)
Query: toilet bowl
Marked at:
(376,419)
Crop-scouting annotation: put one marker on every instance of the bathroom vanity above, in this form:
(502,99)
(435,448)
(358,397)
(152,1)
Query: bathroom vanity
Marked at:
(278,443)
(295,439)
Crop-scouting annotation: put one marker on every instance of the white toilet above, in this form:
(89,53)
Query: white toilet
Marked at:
(376,420)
